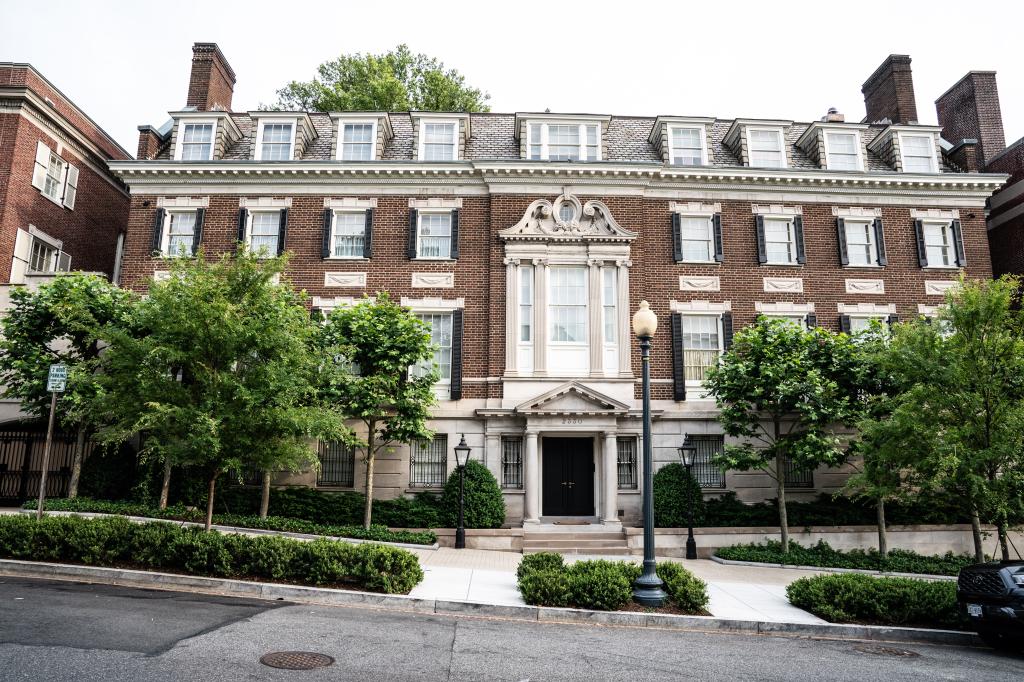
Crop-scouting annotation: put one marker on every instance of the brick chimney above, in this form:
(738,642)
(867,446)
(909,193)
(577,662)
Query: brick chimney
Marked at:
(212,82)
(889,92)
(970,111)
(149,143)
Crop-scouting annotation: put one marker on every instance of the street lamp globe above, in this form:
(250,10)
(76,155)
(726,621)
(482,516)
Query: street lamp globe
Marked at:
(462,452)
(645,322)
(687,451)
(461,458)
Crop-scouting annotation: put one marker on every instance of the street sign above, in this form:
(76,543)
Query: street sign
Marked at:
(58,378)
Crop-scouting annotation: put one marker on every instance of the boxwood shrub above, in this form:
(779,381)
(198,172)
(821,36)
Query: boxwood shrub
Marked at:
(822,554)
(673,490)
(855,598)
(484,503)
(164,546)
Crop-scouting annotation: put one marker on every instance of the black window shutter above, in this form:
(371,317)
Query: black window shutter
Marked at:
(677,239)
(197,237)
(844,255)
(892,319)
(726,331)
(922,254)
(328,219)
(412,233)
(880,242)
(678,369)
(158,228)
(811,320)
(798,233)
(368,235)
(455,234)
(762,250)
(716,224)
(243,219)
(456,385)
(958,243)
(844,324)
(282,231)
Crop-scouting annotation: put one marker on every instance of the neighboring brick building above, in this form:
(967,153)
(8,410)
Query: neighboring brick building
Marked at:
(527,240)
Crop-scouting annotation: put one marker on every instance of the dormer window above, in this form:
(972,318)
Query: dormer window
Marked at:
(564,142)
(842,151)
(765,148)
(357,141)
(439,141)
(196,141)
(688,146)
(275,140)
(918,153)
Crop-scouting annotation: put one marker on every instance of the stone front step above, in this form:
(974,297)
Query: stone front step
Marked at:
(597,541)
(603,551)
(618,536)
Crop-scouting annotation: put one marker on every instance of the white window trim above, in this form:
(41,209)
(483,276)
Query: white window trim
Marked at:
(423,137)
(250,219)
(710,216)
(702,131)
(857,146)
(903,135)
(781,314)
(165,237)
(587,331)
(61,182)
(258,156)
(334,231)
(178,142)
(948,225)
(721,338)
(782,143)
(373,138)
(420,212)
(871,237)
(442,381)
(544,151)
(792,240)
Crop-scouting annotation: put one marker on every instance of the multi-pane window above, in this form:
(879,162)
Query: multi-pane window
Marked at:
(795,320)
(568,308)
(697,238)
(938,244)
(441,338)
(842,151)
(526,304)
(276,143)
(779,241)
(860,323)
(511,462)
(435,235)
(609,305)
(708,475)
(54,181)
(918,153)
(564,141)
(349,233)
(264,231)
(197,141)
(626,463)
(438,141)
(687,146)
(765,147)
(181,232)
(702,344)
(43,257)
(337,465)
(860,242)
(357,142)
(428,462)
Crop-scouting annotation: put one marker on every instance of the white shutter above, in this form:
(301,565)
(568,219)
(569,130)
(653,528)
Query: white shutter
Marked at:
(71,187)
(42,161)
(63,262)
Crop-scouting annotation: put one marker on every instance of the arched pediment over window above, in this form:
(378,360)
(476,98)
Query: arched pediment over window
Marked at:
(567,219)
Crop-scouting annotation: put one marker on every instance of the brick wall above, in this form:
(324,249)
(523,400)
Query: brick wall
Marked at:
(212,82)
(970,110)
(889,91)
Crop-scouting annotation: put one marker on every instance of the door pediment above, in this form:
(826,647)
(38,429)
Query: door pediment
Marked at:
(572,398)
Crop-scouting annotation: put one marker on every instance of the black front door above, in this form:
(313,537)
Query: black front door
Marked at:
(568,477)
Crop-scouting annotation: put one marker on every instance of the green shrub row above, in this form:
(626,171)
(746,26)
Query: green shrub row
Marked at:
(822,554)
(168,547)
(853,598)
(288,525)
(545,580)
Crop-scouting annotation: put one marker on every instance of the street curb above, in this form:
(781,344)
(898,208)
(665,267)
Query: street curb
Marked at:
(831,569)
(541,614)
(233,529)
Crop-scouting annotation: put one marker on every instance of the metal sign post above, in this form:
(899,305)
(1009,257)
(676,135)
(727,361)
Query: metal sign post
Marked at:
(56,382)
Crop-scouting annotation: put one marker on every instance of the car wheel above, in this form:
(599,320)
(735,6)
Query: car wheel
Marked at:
(1002,641)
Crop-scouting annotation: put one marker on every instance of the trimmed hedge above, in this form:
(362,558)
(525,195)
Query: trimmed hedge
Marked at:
(484,503)
(852,598)
(283,524)
(545,580)
(673,490)
(822,554)
(168,547)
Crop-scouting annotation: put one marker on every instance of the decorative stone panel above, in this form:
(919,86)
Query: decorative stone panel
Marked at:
(349,280)
(788,285)
(699,283)
(865,286)
(935,287)
(433,280)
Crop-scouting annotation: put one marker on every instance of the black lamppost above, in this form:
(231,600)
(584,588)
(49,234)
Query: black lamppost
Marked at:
(647,590)
(461,457)
(687,452)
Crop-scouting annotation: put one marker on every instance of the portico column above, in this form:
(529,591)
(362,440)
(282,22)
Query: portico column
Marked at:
(610,456)
(531,480)
(625,335)
(540,316)
(511,313)
(596,328)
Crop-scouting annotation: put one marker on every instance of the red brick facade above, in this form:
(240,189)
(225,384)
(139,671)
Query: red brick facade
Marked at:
(889,92)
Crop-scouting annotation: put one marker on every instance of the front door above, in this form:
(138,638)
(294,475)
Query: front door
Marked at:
(568,477)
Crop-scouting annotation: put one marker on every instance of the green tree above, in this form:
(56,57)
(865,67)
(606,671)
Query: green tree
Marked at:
(378,341)
(782,390)
(225,375)
(59,323)
(395,81)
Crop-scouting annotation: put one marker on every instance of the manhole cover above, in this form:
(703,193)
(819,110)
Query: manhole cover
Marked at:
(296,660)
(885,651)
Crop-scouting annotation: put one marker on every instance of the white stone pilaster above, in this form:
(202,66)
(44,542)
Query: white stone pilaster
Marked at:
(540,316)
(596,330)
(610,480)
(625,335)
(492,454)
(531,480)
(511,313)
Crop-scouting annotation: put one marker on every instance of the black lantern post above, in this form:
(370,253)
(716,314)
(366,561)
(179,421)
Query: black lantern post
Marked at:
(461,457)
(648,588)
(687,453)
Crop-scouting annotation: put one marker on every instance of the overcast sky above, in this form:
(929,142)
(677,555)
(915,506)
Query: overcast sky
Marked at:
(127,63)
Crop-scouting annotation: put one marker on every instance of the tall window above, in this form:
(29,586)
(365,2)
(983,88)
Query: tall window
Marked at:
(860,242)
(564,141)
(938,244)
(511,462)
(53,184)
(568,305)
(526,304)
(181,232)
(687,146)
(428,462)
(795,477)
(264,231)
(707,474)
(43,257)
(626,463)
(197,141)
(438,141)
(337,465)
(357,142)
(349,233)
(697,238)
(842,151)
(918,153)
(766,148)
(609,305)
(276,143)
(701,345)
(435,236)
(779,241)
(441,338)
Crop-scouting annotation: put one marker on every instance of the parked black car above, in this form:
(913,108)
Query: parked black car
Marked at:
(991,597)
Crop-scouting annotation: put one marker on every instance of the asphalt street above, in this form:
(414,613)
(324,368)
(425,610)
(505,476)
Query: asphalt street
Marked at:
(53,630)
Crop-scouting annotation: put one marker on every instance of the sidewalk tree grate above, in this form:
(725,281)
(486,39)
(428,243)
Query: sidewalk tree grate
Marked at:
(876,650)
(296,660)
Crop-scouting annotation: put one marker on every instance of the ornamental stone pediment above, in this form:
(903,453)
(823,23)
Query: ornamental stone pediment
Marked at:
(567,219)
(572,398)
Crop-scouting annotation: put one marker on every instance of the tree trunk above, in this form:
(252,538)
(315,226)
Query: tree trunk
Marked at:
(76,463)
(979,551)
(209,499)
(883,539)
(368,509)
(265,495)
(165,487)
(1004,548)
(780,480)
